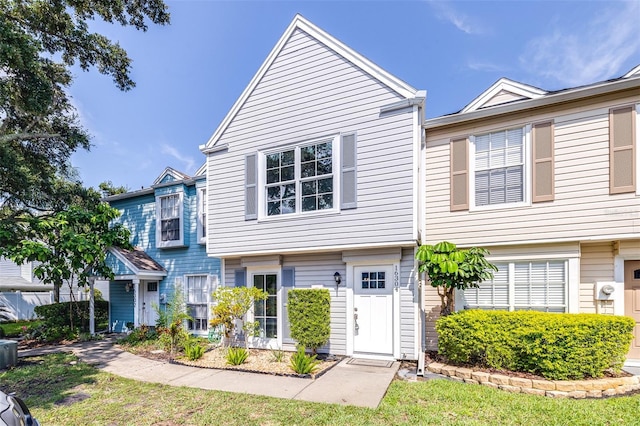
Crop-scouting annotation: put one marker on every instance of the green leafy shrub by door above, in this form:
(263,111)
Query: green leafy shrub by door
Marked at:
(310,316)
(555,346)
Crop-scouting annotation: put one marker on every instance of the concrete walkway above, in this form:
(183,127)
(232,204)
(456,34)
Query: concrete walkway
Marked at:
(352,382)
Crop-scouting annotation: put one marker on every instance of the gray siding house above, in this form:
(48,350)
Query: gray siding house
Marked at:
(312,182)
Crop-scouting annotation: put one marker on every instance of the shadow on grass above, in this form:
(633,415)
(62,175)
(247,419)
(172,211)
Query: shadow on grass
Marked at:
(42,381)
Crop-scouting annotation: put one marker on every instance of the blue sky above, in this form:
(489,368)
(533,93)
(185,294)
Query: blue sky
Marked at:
(190,73)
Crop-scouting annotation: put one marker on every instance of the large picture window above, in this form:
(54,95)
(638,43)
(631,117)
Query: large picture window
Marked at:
(197,290)
(539,285)
(499,167)
(300,179)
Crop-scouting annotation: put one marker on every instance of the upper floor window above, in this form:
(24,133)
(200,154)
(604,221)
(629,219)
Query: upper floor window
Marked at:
(202,214)
(499,167)
(300,179)
(169,220)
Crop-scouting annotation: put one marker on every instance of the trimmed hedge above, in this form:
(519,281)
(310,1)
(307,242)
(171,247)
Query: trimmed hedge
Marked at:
(310,316)
(555,346)
(57,315)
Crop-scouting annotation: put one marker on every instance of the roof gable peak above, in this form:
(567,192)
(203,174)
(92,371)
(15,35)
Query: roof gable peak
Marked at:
(503,91)
(170,174)
(301,23)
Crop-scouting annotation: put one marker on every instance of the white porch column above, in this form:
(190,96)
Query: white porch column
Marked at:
(92,313)
(136,295)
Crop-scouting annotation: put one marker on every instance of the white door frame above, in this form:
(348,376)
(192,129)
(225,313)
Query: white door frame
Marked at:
(258,342)
(394,281)
(143,298)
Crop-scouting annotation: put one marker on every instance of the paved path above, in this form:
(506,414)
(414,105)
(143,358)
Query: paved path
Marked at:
(359,383)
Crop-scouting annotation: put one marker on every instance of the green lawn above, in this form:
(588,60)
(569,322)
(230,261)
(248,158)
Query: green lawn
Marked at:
(45,382)
(14,328)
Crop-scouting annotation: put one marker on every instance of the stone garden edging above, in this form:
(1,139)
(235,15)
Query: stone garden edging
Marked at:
(596,388)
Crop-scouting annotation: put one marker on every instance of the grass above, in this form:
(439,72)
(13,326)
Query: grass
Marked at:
(14,328)
(50,385)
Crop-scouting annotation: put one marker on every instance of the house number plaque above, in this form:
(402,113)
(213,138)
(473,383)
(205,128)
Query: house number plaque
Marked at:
(396,277)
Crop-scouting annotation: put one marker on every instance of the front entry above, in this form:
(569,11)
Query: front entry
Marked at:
(148,298)
(632,302)
(373,310)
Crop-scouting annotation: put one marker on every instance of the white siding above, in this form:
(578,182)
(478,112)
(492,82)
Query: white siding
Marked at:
(311,92)
(582,207)
(408,304)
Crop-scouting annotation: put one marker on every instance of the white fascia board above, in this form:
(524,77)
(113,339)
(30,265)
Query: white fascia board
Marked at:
(633,72)
(564,96)
(299,22)
(170,171)
(222,255)
(505,84)
(599,238)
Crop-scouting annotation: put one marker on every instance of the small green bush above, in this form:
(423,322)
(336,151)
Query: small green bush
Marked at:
(302,363)
(2,333)
(236,356)
(141,334)
(310,316)
(193,349)
(277,355)
(555,346)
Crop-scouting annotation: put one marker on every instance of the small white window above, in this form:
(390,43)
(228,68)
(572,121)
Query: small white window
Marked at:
(202,215)
(169,229)
(499,161)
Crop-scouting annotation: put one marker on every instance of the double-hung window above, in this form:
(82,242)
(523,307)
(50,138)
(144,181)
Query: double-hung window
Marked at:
(500,167)
(300,179)
(169,220)
(535,285)
(197,290)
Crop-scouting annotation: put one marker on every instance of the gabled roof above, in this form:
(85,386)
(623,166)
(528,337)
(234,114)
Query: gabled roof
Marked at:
(169,175)
(634,71)
(138,261)
(300,23)
(504,91)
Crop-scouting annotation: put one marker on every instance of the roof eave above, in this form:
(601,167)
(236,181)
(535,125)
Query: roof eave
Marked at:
(551,99)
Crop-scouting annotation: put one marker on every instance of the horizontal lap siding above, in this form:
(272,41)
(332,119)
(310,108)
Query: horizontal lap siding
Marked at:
(139,216)
(408,305)
(582,207)
(310,92)
(596,264)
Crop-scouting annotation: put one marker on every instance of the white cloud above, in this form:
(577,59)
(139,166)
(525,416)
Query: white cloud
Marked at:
(486,66)
(189,162)
(595,51)
(446,12)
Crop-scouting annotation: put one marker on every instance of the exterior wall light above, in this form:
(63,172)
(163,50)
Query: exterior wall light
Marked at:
(337,278)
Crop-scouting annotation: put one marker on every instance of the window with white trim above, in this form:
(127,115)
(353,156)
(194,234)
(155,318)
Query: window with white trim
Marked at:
(169,213)
(265,312)
(499,167)
(536,285)
(197,293)
(300,179)
(201,200)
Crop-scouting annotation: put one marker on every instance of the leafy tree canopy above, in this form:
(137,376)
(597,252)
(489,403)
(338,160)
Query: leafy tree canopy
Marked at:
(39,130)
(449,268)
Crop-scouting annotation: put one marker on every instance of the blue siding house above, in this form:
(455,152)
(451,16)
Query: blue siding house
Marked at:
(168,229)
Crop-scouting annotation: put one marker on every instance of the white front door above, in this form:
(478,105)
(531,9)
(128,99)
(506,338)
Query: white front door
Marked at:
(373,310)
(149,298)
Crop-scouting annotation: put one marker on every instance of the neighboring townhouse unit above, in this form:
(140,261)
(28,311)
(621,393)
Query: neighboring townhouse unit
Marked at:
(548,182)
(168,229)
(312,182)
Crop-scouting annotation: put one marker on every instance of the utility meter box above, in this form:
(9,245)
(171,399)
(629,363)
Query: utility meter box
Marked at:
(606,290)
(8,353)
